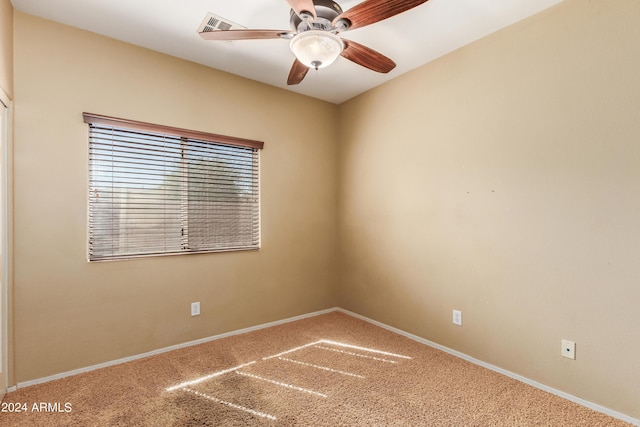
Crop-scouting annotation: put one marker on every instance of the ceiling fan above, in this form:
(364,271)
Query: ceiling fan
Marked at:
(314,38)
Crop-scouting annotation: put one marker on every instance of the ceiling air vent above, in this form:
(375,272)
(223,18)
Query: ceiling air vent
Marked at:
(213,22)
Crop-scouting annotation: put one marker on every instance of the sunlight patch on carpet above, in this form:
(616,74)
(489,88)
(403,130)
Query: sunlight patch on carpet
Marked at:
(230,404)
(355,354)
(324,368)
(208,377)
(356,347)
(292,350)
(281,384)
(326,345)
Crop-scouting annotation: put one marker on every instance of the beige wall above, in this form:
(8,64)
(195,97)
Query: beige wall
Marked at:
(70,313)
(6,47)
(503,180)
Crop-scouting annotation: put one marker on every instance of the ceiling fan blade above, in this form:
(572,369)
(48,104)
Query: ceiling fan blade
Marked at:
(300,6)
(372,11)
(297,73)
(367,57)
(245,34)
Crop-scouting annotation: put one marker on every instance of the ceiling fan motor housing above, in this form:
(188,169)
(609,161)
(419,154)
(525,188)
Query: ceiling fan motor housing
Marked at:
(326,12)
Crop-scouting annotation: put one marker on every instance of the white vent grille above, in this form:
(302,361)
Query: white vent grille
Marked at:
(213,22)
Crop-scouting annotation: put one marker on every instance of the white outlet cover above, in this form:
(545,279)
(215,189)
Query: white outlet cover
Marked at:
(569,349)
(457,317)
(195,308)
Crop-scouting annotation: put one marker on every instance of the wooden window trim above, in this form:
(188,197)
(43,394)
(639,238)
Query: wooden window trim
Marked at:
(98,119)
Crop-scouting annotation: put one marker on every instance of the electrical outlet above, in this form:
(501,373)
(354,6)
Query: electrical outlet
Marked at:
(569,349)
(457,317)
(195,309)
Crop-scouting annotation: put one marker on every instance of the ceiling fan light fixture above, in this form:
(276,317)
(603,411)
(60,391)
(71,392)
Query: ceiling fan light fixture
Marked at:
(316,48)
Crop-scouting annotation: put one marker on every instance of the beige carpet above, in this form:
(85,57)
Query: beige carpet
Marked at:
(329,370)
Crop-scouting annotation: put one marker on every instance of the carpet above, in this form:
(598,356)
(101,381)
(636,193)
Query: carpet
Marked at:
(327,370)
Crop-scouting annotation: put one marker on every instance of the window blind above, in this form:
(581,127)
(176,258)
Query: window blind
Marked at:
(154,192)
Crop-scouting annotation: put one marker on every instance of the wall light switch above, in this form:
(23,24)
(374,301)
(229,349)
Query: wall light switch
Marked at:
(569,349)
(195,308)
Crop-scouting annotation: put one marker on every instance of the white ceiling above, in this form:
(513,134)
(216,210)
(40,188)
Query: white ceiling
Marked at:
(411,39)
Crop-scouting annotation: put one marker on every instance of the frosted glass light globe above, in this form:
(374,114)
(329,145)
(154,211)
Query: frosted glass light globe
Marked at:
(316,48)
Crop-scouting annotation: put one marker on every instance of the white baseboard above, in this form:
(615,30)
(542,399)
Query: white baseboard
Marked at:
(468,358)
(164,350)
(509,374)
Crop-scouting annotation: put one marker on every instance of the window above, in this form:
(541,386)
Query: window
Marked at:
(160,190)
